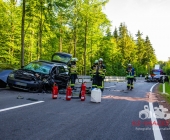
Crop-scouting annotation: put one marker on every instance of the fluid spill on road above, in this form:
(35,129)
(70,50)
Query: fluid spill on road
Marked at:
(150,97)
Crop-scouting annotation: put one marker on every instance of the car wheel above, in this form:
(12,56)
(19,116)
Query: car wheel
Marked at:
(160,81)
(2,84)
(66,84)
(10,86)
(63,87)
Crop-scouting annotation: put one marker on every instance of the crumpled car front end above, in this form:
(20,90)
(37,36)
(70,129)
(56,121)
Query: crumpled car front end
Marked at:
(29,81)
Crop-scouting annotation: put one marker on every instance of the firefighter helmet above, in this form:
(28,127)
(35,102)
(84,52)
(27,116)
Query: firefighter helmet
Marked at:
(75,59)
(129,65)
(96,61)
(100,59)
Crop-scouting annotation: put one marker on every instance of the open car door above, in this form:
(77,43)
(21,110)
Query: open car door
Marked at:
(61,58)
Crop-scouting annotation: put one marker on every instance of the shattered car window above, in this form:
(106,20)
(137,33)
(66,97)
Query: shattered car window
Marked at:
(39,67)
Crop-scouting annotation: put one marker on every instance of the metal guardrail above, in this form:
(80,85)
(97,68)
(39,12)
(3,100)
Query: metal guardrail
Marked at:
(115,78)
(86,78)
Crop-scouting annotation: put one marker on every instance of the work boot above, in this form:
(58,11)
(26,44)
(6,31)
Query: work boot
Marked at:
(131,88)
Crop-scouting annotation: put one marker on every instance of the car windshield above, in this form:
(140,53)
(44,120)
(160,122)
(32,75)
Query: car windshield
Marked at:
(156,72)
(61,58)
(38,67)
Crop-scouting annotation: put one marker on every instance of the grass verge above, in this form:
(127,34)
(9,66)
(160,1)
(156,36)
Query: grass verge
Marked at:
(167,90)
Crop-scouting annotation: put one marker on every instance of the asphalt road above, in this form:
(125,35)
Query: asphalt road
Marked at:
(44,118)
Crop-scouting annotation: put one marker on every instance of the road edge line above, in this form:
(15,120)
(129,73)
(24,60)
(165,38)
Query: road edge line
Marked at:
(155,128)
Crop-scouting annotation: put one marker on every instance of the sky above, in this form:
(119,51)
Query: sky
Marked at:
(151,17)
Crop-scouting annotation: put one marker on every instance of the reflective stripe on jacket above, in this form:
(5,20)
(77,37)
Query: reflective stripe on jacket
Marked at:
(130,73)
(73,69)
(93,70)
(101,70)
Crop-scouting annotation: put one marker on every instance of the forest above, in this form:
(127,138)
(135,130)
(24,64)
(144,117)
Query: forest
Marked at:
(35,29)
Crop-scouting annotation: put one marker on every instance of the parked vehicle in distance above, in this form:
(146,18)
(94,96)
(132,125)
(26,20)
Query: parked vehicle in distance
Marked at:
(158,78)
(157,75)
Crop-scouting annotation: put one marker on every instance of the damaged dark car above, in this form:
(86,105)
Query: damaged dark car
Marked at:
(38,75)
(41,75)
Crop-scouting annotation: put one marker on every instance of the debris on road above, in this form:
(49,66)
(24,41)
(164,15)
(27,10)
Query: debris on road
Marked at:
(20,97)
(31,99)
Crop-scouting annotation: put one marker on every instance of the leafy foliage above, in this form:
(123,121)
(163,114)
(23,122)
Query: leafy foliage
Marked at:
(78,27)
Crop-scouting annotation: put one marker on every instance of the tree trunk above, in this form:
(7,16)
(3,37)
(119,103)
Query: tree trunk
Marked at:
(22,34)
(85,47)
(91,49)
(60,39)
(75,40)
(60,43)
(12,32)
(75,31)
(31,45)
(40,34)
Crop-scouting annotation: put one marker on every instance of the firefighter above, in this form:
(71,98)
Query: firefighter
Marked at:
(101,74)
(73,72)
(147,76)
(93,73)
(130,74)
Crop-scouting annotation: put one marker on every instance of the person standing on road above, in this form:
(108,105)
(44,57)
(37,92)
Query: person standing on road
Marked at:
(147,76)
(130,74)
(93,73)
(101,70)
(73,72)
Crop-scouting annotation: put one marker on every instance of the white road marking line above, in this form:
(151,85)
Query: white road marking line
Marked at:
(155,128)
(110,87)
(14,107)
